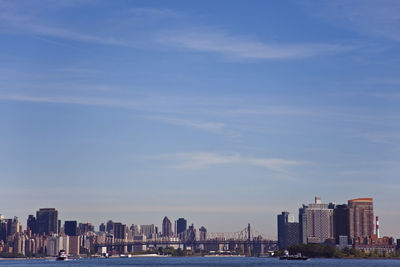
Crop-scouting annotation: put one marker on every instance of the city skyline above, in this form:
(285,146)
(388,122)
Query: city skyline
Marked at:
(223,112)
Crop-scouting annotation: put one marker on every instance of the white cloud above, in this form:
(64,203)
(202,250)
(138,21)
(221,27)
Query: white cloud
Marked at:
(245,48)
(201,160)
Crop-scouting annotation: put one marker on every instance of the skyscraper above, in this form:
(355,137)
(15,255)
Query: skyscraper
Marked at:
(110,226)
(361,216)
(3,229)
(148,230)
(47,221)
(166,227)
(316,222)
(303,224)
(202,233)
(288,232)
(119,230)
(181,226)
(70,228)
(31,224)
(102,227)
(341,221)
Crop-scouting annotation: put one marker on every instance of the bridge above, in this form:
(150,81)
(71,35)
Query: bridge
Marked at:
(246,241)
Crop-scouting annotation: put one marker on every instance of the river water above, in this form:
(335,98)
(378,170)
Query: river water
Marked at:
(201,261)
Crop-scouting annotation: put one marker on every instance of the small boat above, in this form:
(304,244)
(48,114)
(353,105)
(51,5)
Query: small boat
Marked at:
(286,256)
(62,255)
(294,257)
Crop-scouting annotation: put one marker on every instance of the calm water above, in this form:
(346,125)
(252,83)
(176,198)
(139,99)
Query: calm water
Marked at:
(194,261)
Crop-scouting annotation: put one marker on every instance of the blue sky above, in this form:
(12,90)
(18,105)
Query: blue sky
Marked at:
(222,112)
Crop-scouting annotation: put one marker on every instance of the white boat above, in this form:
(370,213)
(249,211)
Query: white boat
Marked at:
(62,255)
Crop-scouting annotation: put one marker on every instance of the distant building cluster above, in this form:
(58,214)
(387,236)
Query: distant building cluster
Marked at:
(45,236)
(350,225)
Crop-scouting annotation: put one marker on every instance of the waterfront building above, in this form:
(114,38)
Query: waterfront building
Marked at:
(341,222)
(288,232)
(166,227)
(19,243)
(47,221)
(303,224)
(384,245)
(57,243)
(316,222)
(361,217)
(74,245)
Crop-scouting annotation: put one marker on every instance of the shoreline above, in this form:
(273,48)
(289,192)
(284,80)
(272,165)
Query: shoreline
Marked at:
(140,256)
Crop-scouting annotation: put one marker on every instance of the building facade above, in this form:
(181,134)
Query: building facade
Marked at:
(341,222)
(316,222)
(166,227)
(70,228)
(361,217)
(47,221)
(288,232)
(181,226)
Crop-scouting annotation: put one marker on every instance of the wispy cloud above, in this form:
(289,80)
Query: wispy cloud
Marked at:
(26,25)
(141,104)
(392,138)
(369,17)
(199,160)
(29,17)
(91,101)
(211,126)
(245,48)
(153,12)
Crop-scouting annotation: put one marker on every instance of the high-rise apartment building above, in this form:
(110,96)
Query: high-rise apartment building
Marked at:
(288,232)
(166,227)
(361,217)
(316,222)
(47,221)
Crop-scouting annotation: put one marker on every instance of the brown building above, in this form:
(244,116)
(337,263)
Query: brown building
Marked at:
(361,217)
(374,244)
